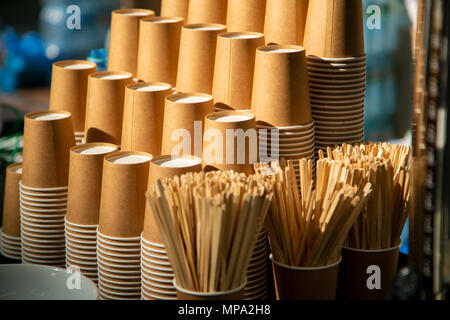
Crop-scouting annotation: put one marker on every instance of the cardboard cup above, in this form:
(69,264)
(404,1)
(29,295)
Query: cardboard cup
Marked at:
(69,87)
(159,48)
(143,116)
(354,275)
(11,211)
(104,107)
(184,114)
(296,283)
(230,142)
(175,8)
(123,200)
(234,294)
(197,56)
(246,16)
(124,39)
(207,11)
(285,21)
(281,80)
(234,68)
(327,28)
(48,136)
(85,181)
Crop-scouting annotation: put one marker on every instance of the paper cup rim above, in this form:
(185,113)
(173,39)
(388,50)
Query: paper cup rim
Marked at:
(196,26)
(305,126)
(127,239)
(61,240)
(62,63)
(166,157)
(212,116)
(158,285)
(2,234)
(356,58)
(158,263)
(117,154)
(43,190)
(158,18)
(118,255)
(229,35)
(10,168)
(125,262)
(118,271)
(154,244)
(375,250)
(118,276)
(43,196)
(265,48)
(131,10)
(161,275)
(99,75)
(155,267)
(29,116)
(117,249)
(45,200)
(135,86)
(181,95)
(332,265)
(81,147)
(81,226)
(209,294)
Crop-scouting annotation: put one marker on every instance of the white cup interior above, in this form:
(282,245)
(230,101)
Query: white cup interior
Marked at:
(114,76)
(241,36)
(210,28)
(192,99)
(281,50)
(179,163)
(153,88)
(78,66)
(130,159)
(233,118)
(50,116)
(95,150)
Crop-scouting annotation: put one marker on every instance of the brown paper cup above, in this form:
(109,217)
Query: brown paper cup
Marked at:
(197,56)
(327,28)
(281,80)
(104,107)
(69,87)
(207,11)
(294,283)
(285,21)
(246,16)
(175,8)
(235,294)
(184,114)
(158,49)
(160,168)
(143,116)
(48,136)
(354,272)
(230,142)
(234,68)
(123,200)
(11,212)
(124,39)
(85,182)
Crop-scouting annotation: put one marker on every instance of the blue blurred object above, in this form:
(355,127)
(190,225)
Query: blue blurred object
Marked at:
(64,43)
(404,248)
(99,57)
(25,60)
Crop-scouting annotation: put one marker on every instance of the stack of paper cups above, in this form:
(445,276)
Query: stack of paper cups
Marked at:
(175,8)
(48,136)
(234,68)
(69,89)
(207,11)
(158,58)
(10,232)
(285,21)
(256,288)
(104,107)
(157,273)
(143,116)
(337,71)
(122,209)
(281,104)
(83,206)
(184,114)
(197,56)
(124,39)
(246,16)
(230,142)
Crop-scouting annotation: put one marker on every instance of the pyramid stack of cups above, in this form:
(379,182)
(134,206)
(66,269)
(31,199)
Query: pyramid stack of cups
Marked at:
(48,137)
(157,273)
(10,232)
(121,220)
(69,89)
(337,70)
(281,104)
(83,206)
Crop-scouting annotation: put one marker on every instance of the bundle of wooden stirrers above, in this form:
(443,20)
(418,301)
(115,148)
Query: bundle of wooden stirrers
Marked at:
(209,223)
(385,166)
(309,229)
